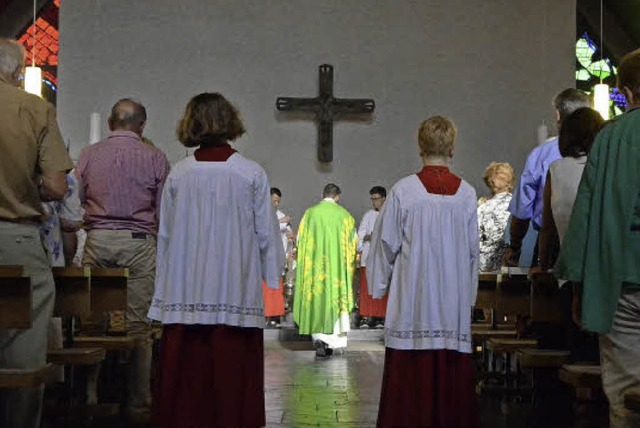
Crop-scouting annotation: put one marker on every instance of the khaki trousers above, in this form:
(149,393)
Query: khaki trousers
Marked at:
(122,248)
(20,244)
(620,358)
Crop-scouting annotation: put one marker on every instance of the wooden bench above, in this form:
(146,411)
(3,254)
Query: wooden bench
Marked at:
(513,296)
(586,381)
(73,302)
(541,358)
(108,293)
(16,299)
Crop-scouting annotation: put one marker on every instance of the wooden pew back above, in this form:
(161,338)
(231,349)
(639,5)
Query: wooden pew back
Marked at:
(108,289)
(16,298)
(545,299)
(73,291)
(513,298)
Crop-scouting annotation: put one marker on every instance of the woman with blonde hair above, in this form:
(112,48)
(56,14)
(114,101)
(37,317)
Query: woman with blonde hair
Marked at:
(493,215)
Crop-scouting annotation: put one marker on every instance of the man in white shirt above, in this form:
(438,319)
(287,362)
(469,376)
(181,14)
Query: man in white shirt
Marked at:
(371,311)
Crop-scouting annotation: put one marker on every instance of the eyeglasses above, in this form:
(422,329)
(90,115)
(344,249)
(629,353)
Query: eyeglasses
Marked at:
(375,198)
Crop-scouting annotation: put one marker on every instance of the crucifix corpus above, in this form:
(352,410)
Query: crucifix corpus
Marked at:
(326,108)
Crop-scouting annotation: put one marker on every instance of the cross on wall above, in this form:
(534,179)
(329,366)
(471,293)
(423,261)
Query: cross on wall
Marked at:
(326,108)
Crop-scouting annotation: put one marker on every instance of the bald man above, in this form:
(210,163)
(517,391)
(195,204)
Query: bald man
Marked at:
(121,180)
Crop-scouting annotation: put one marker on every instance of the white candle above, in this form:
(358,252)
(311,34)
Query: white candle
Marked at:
(543,133)
(94,128)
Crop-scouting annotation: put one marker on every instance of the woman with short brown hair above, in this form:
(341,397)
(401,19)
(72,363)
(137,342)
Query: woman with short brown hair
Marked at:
(218,238)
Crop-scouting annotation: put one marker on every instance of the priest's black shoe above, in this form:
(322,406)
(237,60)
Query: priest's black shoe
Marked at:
(322,350)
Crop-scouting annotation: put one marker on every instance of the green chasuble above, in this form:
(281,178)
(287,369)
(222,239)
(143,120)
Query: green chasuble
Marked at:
(325,265)
(601,248)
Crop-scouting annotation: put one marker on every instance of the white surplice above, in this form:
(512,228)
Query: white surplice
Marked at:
(366,228)
(218,236)
(285,229)
(424,253)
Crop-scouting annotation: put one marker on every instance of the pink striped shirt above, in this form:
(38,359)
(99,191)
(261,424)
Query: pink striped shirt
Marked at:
(121,181)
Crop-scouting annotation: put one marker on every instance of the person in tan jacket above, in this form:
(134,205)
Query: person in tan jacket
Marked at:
(33,169)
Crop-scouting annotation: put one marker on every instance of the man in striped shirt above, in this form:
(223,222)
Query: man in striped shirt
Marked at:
(121,180)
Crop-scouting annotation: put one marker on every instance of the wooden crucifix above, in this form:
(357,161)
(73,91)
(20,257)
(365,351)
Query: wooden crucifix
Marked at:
(326,108)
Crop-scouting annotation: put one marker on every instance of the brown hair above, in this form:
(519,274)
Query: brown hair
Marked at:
(499,177)
(209,119)
(436,136)
(578,131)
(629,73)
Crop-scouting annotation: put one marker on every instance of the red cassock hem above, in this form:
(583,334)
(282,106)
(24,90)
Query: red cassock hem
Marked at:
(210,376)
(370,307)
(273,300)
(429,389)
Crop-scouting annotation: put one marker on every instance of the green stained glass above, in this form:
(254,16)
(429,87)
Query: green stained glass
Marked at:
(583,75)
(584,52)
(600,69)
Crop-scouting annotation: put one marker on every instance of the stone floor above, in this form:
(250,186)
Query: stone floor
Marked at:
(344,391)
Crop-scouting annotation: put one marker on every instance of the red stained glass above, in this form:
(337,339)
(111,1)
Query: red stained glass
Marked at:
(46,37)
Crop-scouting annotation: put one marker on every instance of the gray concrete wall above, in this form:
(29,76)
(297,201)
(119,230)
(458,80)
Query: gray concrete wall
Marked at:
(492,66)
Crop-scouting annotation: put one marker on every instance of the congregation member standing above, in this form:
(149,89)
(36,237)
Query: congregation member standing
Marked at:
(323,299)
(121,180)
(493,215)
(218,238)
(601,246)
(424,254)
(526,204)
(372,311)
(577,134)
(33,168)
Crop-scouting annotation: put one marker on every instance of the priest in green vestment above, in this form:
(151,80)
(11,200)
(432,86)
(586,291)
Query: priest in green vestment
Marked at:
(601,248)
(323,298)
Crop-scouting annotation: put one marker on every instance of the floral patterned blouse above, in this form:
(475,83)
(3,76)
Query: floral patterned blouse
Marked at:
(70,209)
(492,222)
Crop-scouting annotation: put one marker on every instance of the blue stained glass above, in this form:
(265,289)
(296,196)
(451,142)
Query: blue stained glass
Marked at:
(618,98)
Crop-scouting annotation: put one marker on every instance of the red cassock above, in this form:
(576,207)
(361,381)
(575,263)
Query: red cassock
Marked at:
(273,300)
(370,307)
(210,375)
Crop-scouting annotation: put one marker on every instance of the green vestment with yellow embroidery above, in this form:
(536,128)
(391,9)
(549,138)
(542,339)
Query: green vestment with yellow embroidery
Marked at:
(325,265)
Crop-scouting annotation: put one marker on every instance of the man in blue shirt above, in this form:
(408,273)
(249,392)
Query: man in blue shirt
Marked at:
(526,205)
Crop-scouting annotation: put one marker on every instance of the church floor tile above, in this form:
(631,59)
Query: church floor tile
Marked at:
(343,391)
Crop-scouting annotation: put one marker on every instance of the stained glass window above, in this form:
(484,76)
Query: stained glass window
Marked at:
(591,67)
(44,46)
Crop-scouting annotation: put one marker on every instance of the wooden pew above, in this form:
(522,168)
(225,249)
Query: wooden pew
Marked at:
(586,381)
(545,309)
(513,300)
(73,301)
(108,293)
(16,299)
